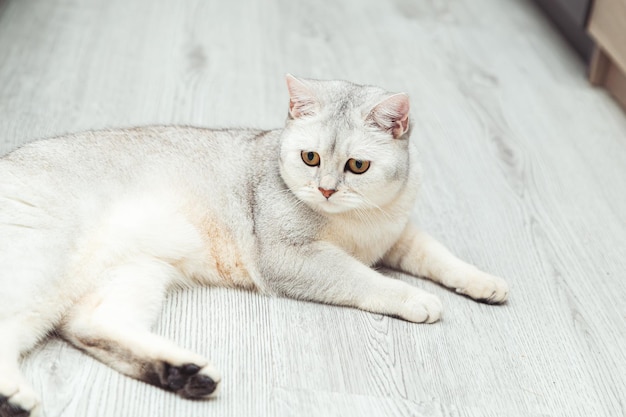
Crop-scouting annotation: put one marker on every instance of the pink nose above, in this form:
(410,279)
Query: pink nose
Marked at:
(326,193)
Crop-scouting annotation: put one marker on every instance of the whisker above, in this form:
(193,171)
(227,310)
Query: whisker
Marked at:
(373,205)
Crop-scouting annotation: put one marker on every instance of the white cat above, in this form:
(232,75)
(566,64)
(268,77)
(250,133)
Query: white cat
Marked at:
(95,228)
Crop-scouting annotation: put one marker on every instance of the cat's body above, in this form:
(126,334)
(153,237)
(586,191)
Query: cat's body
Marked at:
(96,227)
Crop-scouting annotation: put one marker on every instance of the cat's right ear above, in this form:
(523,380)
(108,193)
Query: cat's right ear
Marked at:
(392,114)
(302,100)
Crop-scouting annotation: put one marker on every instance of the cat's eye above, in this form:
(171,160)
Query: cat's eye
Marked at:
(312,159)
(357,166)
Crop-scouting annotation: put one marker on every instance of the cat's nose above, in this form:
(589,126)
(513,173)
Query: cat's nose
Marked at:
(326,193)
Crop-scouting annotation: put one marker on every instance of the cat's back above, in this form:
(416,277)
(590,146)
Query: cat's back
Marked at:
(103,165)
(171,191)
(74,204)
(70,183)
(108,154)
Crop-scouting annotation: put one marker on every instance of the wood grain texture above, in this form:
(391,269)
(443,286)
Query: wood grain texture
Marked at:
(524,175)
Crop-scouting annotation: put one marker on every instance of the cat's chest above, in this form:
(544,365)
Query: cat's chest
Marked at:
(366,241)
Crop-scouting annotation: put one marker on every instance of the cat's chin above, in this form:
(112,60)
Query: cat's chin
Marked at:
(328,207)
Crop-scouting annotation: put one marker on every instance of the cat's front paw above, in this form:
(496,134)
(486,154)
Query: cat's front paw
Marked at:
(485,288)
(18,401)
(190,380)
(422,307)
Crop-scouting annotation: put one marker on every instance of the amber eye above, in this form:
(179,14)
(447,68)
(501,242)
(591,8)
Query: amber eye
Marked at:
(312,159)
(357,166)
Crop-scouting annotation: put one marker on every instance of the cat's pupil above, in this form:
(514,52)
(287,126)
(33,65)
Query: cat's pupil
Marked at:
(310,156)
(358,164)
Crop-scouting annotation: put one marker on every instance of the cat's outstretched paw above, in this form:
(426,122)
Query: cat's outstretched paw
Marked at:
(422,308)
(485,288)
(189,380)
(20,401)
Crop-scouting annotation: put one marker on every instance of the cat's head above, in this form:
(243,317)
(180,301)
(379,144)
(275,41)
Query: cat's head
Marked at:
(344,146)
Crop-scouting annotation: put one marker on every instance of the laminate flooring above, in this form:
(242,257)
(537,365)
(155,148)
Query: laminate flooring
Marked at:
(524,175)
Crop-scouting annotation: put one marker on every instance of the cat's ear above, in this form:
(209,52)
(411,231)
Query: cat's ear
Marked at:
(302,100)
(392,115)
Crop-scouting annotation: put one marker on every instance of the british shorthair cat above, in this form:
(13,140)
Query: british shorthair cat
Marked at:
(96,227)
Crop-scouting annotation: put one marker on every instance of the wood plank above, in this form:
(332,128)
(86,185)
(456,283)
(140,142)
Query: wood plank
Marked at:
(606,26)
(615,83)
(524,172)
(598,66)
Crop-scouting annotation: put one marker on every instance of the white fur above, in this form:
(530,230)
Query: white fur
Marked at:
(95,229)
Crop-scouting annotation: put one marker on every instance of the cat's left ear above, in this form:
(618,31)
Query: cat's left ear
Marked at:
(392,115)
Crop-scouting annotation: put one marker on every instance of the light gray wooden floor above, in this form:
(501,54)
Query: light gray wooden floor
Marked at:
(524,175)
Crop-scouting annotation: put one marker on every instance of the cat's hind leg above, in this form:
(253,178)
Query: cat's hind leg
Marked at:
(27,315)
(112,324)
(17,398)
